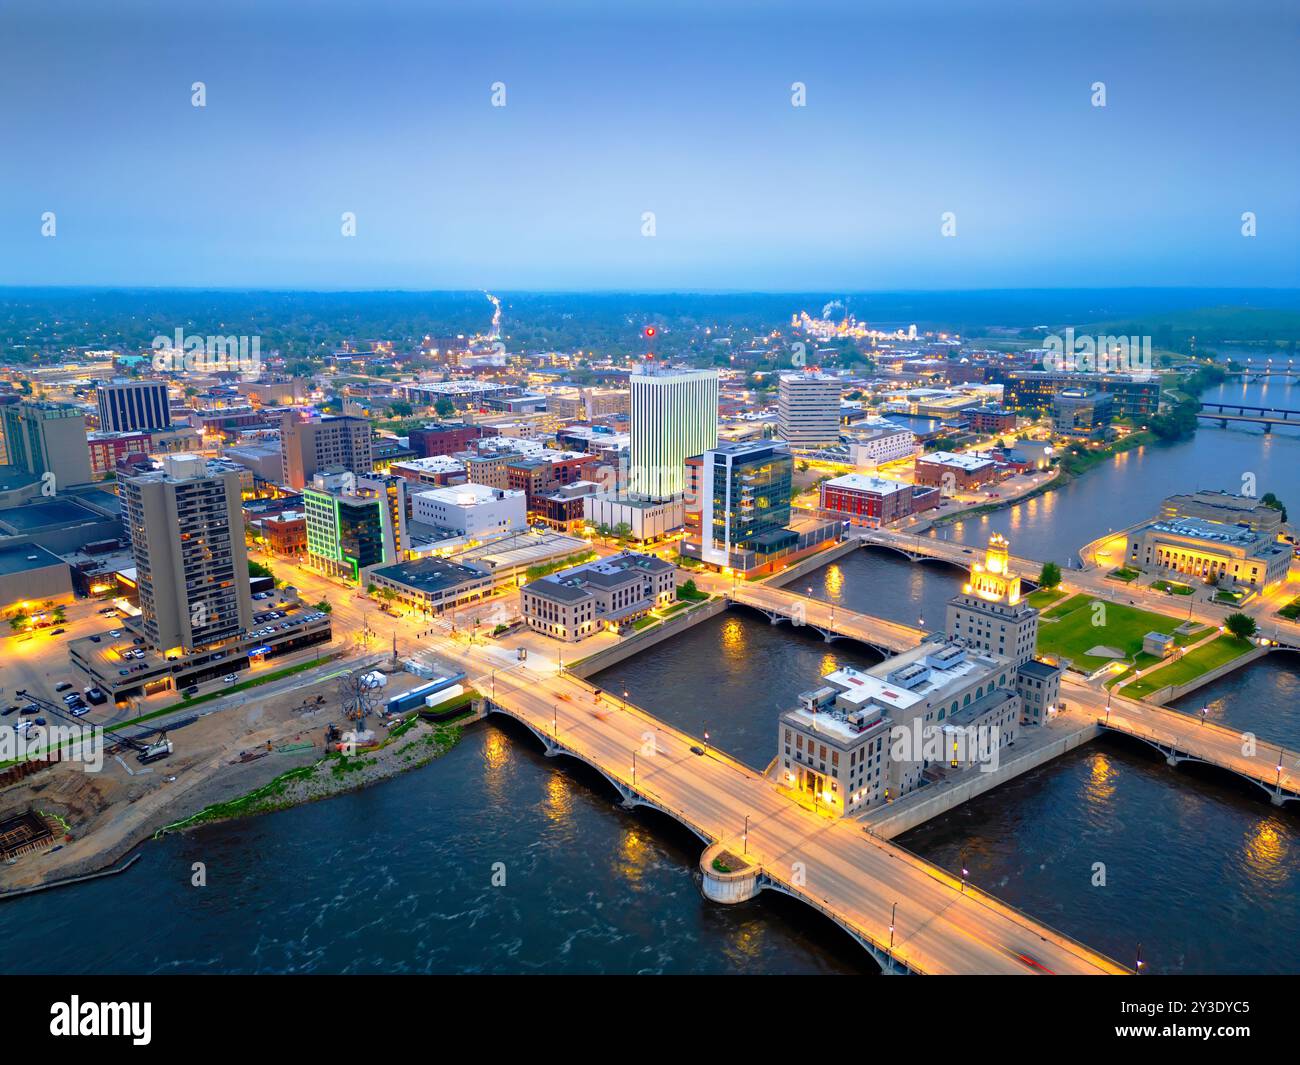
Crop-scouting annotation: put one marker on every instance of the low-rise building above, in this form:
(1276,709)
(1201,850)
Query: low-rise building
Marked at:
(1225,508)
(865,499)
(868,737)
(472,510)
(432,585)
(608,593)
(1214,552)
(952,472)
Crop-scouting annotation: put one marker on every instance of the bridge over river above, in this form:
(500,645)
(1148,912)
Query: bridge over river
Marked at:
(1179,737)
(910,915)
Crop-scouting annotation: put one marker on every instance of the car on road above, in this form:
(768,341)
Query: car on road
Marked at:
(697,750)
(193,689)
(230,678)
(63,686)
(115,633)
(95,639)
(58,632)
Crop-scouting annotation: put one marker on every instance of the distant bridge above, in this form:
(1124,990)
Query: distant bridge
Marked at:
(1268,417)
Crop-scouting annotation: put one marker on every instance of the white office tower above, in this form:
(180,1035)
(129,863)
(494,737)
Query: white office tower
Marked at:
(808,410)
(674,415)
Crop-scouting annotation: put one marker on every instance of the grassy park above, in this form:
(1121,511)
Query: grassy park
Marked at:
(1191,665)
(1068,631)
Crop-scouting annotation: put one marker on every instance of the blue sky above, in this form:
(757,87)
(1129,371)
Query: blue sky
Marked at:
(383,109)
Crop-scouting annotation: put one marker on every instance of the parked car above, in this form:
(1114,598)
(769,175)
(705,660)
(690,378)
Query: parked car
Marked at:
(96,696)
(80,711)
(29,709)
(58,632)
(193,689)
(6,713)
(63,686)
(115,633)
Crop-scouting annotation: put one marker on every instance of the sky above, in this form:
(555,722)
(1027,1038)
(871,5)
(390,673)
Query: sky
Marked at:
(913,110)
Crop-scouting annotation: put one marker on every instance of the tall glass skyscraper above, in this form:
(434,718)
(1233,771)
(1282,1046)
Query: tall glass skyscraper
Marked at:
(674,415)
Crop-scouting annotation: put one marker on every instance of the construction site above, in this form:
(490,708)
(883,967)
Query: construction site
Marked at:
(59,821)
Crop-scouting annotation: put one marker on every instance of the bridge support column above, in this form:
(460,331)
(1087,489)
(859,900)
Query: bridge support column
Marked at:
(1276,798)
(727,877)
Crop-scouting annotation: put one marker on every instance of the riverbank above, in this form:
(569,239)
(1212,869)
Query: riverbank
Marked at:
(245,757)
(419,743)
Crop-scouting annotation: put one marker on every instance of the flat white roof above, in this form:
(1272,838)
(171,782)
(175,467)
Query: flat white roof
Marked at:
(866,482)
(948,458)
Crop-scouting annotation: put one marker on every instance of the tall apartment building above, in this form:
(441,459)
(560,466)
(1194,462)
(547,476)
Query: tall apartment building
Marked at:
(990,615)
(674,415)
(308,447)
(129,406)
(808,410)
(47,438)
(187,537)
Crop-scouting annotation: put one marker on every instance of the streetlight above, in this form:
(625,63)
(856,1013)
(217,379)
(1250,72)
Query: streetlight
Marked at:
(555,721)
(746,836)
(964,874)
(1139,959)
(1204,710)
(634,767)
(892,914)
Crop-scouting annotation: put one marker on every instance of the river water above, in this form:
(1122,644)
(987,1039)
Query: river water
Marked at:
(1199,871)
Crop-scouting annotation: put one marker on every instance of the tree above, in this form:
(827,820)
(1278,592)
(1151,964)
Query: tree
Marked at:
(445,408)
(1270,500)
(1050,577)
(256,569)
(1241,626)
(371,589)
(324,607)
(622,531)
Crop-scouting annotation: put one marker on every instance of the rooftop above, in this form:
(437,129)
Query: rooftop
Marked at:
(430,574)
(866,482)
(949,458)
(24,557)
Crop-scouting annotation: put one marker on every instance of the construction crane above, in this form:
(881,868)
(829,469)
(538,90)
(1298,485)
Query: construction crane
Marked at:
(147,752)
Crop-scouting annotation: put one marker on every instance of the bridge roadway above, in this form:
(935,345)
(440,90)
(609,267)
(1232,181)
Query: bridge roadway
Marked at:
(1093,581)
(1179,737)
(942,925)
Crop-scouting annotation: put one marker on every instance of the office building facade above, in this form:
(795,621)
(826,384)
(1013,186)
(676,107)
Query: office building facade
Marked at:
(674,415)
(131,406)
(47,438)
(808,410)
(308,447)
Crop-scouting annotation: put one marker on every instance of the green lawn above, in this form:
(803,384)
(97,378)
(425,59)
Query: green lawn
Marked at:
(1172,588)
(1044,597)
(1291,610)
(1205,658)
(1124,574)
(1074,632)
